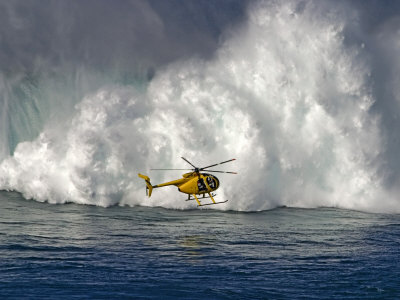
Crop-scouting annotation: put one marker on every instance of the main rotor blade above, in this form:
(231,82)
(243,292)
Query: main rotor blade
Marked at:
(189,162)
(169,169)
(221,172)
(224,162)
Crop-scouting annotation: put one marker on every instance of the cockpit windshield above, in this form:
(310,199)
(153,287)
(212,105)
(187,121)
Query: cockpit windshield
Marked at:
(211,182)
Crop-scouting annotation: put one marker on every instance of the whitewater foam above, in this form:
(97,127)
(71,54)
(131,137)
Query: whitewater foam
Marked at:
(286,95)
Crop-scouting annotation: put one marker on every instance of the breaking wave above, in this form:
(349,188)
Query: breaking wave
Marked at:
(297,94)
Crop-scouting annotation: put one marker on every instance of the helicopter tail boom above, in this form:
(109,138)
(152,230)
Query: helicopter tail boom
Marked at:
(149,187)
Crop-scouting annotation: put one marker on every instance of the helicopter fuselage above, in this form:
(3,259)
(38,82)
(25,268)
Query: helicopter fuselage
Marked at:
(199,183)
(193,183)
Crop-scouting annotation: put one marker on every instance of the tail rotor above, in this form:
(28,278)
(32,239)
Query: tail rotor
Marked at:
(149,187)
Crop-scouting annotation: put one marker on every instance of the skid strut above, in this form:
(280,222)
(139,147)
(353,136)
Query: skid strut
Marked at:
(197,200)
(190,198)
(210,196)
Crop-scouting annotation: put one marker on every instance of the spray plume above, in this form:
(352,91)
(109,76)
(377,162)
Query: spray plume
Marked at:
(291,93)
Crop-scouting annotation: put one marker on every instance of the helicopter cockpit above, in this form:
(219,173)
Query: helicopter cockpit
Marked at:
(211,180)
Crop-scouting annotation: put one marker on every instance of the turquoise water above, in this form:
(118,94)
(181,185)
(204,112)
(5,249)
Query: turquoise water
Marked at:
(79,251)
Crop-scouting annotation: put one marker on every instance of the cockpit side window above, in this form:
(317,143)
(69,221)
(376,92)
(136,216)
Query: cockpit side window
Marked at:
(211,182)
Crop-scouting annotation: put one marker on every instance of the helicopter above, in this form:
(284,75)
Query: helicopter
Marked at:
(193,183)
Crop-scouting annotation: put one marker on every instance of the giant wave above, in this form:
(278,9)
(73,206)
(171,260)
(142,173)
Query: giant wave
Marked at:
(295,94)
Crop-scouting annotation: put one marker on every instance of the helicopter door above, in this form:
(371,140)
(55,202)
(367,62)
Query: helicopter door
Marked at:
(201,185)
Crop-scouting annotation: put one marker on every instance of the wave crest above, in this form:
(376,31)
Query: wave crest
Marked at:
(286,94)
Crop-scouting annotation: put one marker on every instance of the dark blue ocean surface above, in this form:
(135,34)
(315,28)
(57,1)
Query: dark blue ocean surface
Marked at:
(87,252)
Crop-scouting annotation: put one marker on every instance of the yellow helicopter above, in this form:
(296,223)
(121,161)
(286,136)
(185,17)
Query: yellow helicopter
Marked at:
(193,183)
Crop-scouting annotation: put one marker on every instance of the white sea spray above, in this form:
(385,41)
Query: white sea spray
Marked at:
(285,94)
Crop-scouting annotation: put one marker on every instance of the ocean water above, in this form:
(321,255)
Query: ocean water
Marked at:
(70,251)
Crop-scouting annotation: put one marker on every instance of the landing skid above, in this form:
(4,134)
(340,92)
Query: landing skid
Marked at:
(214,203)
